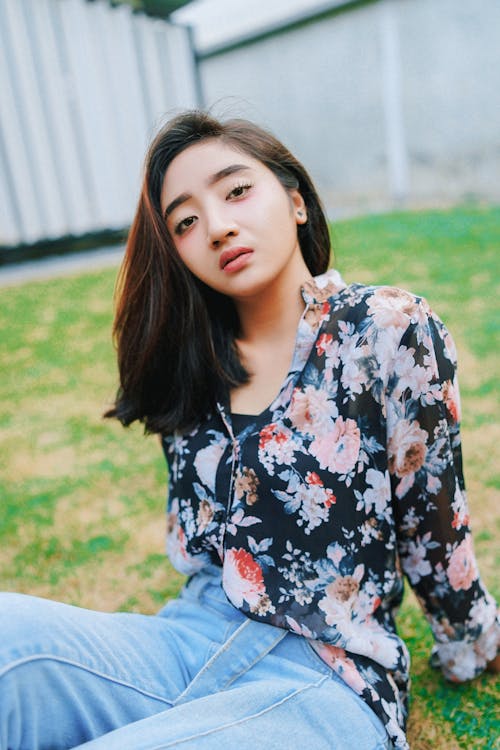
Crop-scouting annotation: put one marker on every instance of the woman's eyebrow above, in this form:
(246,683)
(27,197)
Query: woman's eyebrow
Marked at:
(231,169)
(212,180)
(176,202)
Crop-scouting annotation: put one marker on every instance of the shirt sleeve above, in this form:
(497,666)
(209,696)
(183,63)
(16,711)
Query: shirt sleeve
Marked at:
(425,463)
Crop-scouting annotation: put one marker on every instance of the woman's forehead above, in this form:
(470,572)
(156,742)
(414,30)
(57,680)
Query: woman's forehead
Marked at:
(201,163)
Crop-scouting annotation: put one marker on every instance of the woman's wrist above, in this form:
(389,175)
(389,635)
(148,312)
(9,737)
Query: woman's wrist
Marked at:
(494,665)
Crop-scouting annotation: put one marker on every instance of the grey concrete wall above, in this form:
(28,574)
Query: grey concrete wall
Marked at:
(389,103)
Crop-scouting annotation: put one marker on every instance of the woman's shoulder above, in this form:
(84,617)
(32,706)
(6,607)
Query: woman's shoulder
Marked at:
(385,305)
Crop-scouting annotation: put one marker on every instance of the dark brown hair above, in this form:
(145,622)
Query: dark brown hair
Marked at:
(175,336)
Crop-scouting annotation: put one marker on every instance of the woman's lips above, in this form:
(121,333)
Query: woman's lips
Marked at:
(234,258)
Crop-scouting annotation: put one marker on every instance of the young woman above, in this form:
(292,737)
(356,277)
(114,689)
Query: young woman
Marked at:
(311,434)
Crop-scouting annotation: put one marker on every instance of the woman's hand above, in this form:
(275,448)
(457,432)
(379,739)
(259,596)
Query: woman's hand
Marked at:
(494,665)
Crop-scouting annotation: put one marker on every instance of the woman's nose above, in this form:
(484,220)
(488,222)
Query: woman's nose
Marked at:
(219,229)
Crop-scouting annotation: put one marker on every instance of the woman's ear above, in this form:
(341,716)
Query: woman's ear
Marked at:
(299,207)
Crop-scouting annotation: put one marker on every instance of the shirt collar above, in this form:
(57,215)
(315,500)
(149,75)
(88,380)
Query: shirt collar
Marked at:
(320,288)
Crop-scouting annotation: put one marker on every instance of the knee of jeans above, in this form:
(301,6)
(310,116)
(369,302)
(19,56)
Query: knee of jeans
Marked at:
(27,623)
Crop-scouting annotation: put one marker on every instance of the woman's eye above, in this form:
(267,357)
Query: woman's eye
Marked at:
(239,191)
(181,227)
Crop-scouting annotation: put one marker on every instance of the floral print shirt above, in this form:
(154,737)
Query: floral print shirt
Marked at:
(350,478)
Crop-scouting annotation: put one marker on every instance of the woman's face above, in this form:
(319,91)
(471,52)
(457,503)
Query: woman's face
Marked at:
(233,223)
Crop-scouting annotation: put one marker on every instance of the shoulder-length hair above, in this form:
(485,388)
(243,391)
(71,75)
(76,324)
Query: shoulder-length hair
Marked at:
(175,336)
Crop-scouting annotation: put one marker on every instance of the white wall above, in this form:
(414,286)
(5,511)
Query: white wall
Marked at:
(390,103)
(83,86)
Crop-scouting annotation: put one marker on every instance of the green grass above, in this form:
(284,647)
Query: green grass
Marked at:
(82,500)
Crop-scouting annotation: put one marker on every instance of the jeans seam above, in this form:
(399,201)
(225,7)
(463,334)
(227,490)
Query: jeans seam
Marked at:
(208,732)
(207,666)
(386,743)
(257,659)
(215,646)
(83,667)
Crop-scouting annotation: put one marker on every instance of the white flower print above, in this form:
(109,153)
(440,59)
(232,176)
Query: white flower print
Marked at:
(482,613)
(393,726)
(338,450)
(176,446)
(348,609)
(330,347)
(177,544)
(411,376)
(335,553)
(312,411)
(310,499)
(415,562)
(353,357)
(377,496)
(369,530)
(207,459)
(276,446)
(460,510)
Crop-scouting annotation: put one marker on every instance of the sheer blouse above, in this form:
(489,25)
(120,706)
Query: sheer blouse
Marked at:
(316,507)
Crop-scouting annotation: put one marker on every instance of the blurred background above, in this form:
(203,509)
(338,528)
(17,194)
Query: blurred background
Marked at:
(389,103)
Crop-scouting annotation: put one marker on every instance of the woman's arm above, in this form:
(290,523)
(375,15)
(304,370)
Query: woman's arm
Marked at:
(432,517)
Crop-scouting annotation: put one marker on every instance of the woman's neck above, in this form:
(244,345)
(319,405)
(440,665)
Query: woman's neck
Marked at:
(273,314)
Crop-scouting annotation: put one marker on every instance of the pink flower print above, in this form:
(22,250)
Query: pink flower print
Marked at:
(316,314)
(323,287)
(181,539)
(338,449)
(407,448)
(462,569)
(176,538)
(313,478)
(343,588)
(451,398)
(269,434)
(337,659)
(311,410)
(390,306)
(243,581)
(246,485)
(205,515)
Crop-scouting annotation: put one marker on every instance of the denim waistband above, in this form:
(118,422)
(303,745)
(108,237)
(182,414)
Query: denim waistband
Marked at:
(249,642)
(206,588)
(211,575)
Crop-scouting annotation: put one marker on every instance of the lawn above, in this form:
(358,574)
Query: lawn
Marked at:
(82,500)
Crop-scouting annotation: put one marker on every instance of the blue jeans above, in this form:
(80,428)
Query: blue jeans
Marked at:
(199,676)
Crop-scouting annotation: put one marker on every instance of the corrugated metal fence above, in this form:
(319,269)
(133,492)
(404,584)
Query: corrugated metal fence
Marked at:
(83,85)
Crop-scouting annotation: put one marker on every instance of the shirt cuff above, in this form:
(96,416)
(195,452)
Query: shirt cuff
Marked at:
(464,660)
